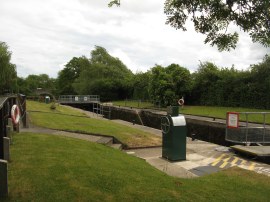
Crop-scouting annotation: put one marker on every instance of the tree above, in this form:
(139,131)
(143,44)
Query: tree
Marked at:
(70,73)
(229,87)
(169,84)
(204,87)
(260,84)
(214,18)
(7,70)
(106,76)
(141,85)
(31,84)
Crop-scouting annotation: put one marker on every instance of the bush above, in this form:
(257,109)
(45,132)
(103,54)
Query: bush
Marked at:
(53,106)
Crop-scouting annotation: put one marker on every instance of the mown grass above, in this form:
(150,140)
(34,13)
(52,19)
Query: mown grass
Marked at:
(40,106)
(220,112)
(133,103)
(130,137)
(52,168)
(208,111)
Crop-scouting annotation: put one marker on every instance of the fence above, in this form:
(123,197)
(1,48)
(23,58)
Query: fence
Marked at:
(247,132)
(103,110)
(5,113)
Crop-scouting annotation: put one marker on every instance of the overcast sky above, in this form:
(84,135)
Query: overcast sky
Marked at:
(45,34)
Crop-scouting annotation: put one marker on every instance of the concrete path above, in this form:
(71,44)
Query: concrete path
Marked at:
(90,138)
(202,158)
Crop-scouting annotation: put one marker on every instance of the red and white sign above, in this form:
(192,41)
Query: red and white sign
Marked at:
(232,119)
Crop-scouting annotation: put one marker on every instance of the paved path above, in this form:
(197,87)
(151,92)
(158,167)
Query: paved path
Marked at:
(90,138)
(202,158)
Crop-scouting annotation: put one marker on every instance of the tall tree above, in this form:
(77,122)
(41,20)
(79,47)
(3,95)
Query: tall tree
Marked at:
(7,70)
(260,84)
(168,84)
(141,85)
(213,18)
(106,76)
(205,79)
(32,83)
(70,73)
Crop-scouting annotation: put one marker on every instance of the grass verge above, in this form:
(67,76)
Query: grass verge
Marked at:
(130,137)
(220,112)
(133,103)
(60,109)
(208,111)
(52,168)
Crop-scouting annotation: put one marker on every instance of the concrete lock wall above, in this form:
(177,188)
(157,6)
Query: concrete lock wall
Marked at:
(209,131)
(125,114)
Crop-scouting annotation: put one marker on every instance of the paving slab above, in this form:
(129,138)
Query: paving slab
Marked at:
(261,151)
(204,170)
(170,168)
(90,138)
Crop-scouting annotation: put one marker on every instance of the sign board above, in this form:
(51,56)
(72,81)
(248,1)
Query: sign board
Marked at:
(232,119)
(76,98)
(85,98)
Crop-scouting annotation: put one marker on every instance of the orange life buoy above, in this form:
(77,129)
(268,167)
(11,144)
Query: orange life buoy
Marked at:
(15,114)
(181,101)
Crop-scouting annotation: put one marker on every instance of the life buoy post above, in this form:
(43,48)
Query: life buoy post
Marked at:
(181,102)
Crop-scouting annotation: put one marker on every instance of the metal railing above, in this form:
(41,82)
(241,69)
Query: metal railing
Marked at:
(103,110)
(78,98)
(248,132)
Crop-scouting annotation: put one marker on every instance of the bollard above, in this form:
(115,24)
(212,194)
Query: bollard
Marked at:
(6,148)
(10,123)
(27,120)
(17,127)
(9,133)
(3,178)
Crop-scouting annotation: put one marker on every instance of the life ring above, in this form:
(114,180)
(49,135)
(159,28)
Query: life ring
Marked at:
(181,101)
(15,114)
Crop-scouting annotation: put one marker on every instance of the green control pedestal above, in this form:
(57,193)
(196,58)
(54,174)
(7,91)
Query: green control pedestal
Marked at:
(174,132)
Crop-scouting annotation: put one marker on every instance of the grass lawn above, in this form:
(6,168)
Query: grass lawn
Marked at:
(130,137)
(135,104)
(220,112)
(41,106)
(209,111)
(52,168)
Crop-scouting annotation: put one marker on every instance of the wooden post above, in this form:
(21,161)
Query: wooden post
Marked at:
(9,133)
(10,123)
(24,118)
(27,120)
(3,178)
(6,148)
(17,127)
